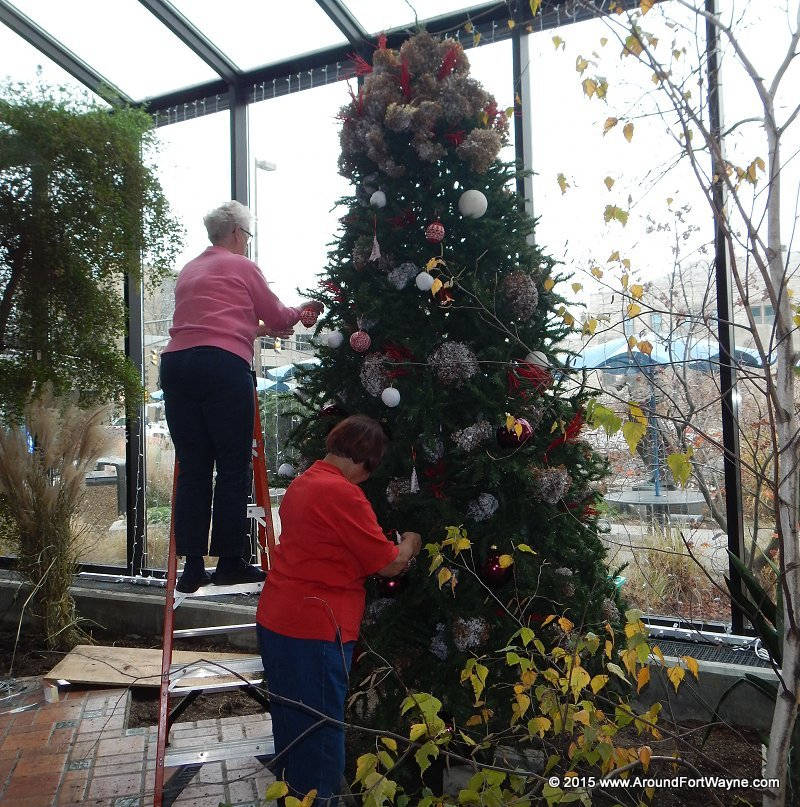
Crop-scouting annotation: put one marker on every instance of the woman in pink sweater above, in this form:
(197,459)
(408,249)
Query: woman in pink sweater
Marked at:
(221,298)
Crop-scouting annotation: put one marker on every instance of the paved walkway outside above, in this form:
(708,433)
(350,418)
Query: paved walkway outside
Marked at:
(80,752)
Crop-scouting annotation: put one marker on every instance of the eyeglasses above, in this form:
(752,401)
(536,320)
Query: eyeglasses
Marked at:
(246,232)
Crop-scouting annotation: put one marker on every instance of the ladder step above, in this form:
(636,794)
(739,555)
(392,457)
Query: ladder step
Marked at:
(263,747)
(211,669)
(219,591)
(209,677)
(212,630)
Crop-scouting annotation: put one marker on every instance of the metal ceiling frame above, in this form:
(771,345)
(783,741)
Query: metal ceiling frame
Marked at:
(345,22)
(61,55)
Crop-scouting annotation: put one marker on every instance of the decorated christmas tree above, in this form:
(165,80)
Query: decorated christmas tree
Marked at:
(442,323)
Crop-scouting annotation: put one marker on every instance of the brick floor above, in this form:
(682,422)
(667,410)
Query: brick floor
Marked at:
(78,753)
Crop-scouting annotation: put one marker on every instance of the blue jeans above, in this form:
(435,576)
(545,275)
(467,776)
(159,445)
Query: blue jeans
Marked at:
(316,673)
(208,402)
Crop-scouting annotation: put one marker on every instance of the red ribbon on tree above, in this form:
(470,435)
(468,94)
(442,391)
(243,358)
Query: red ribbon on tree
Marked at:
(397,353)
(448,63)
(358,101)
(405,219)
(455,138)
(333,289)
(435,475)
(382,42)
(363,67)
(570,433)
(405,80)
(524,374)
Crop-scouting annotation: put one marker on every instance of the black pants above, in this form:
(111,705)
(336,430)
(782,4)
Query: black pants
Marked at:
(208,402)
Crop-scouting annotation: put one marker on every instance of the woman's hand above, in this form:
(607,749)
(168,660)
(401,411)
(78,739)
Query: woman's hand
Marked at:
(409,549)
(314,305)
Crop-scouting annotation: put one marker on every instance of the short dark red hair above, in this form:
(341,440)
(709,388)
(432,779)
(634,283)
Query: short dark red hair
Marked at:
(358,438)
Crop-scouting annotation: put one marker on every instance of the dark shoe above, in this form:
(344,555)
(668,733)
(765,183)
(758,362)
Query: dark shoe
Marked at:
(190,580)
(232,571)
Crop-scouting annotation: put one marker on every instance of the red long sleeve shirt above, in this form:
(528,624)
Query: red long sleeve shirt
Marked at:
(219,298)
(330,543)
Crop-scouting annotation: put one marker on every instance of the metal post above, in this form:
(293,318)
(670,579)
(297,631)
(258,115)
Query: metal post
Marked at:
(135,459)
(730,407)
(240,161)
(523,141)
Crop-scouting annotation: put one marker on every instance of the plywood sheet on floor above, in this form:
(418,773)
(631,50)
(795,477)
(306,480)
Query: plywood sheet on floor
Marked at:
(125,666)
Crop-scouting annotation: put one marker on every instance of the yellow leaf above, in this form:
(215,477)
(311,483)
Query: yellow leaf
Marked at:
(510,421)
(277,790)
(569,320)
(637,413)
(681,467)
(614,256)
(504,561)
(308,799)
(576,287)
(590,326)
(548,620)
(548,283)
(475,720)
(627,131)
(632,342)
(633,45)
(581,64)
(675,675)
(444,575)
(598,273)
(599,681)
(760,163)
(589,86)
(437,285)
(535,6)
(644,756)
(657,653)
(645,347)
(633,433)
(389,743)
(461,544)
(751,173)
(469,27)
(292,801)
(637,290)
(526,548)
(646,5)
(693,666)
(511,24)
(626,262)
(609,182)
(565,624)
(642,678)
(539,725)
(559,42)
(610,124)
(562,183)
(603,41)
(634,310)
(476,39)
(417,730)
(615,213)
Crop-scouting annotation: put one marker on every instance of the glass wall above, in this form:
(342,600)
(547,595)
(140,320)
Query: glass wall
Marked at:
(621,209)
(193,165)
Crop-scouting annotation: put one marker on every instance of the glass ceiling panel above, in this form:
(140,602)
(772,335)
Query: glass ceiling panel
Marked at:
(253,33)
(122,41)
(22,62)
(377,17)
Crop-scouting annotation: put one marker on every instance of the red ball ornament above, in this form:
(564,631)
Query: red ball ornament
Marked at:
(434,232)
(360,341)
(514,433)
(492,572)
(392,586)
(309,316)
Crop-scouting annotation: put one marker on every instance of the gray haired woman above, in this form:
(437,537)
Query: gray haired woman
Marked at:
(222,303)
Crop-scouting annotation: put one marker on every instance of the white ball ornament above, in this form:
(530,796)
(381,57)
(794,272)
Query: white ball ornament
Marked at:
(424,281)
(286,470)
(538,358)
(472,204)
(378,199)
(335,339)
(390,396)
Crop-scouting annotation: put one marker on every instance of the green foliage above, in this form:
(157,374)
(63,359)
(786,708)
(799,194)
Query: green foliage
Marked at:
(79,209)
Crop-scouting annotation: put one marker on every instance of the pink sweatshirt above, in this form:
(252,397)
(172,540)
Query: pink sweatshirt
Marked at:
(219,299)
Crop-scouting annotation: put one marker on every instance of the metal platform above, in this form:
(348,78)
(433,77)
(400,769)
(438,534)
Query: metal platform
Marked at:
(218,591)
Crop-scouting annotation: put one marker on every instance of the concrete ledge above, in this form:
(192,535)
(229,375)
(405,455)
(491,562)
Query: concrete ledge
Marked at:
(139,612)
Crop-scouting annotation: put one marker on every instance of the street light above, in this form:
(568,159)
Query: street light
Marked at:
(264,165)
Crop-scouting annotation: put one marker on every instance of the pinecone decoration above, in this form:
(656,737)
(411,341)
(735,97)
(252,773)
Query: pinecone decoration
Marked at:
(453,363)
(550,484)
(520,293)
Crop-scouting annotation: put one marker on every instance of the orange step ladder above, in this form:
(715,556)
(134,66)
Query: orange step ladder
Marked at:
(205,677)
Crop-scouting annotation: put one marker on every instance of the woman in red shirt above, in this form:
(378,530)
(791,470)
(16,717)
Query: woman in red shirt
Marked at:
(312,603)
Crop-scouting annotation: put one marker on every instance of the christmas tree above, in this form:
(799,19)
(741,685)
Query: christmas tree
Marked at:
(442,323)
